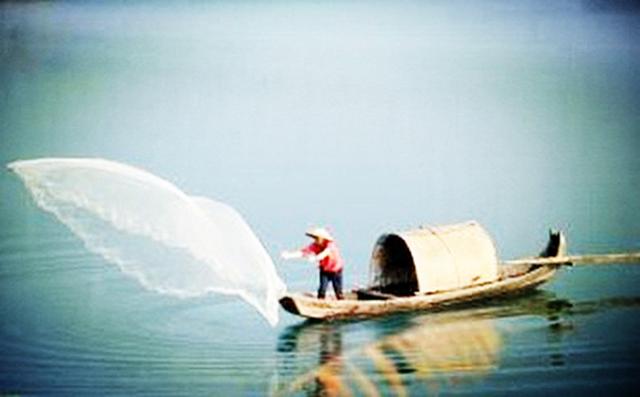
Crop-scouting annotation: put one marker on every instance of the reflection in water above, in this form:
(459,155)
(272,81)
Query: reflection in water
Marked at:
(330,361)
(558,314)
(314,345)
(447,350)
(434,346)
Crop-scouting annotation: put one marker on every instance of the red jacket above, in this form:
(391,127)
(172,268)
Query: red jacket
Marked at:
(332,262)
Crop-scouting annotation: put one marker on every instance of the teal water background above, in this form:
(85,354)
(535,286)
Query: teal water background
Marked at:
(363,116)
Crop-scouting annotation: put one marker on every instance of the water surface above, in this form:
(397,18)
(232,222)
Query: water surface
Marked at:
(364,116)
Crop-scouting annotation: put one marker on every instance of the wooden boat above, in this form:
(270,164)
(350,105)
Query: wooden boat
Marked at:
(362,303)
(434,267)
(402,283)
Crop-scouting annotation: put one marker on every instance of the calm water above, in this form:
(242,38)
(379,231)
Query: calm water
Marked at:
(365,116)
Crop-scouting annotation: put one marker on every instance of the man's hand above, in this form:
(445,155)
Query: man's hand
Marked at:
(290,254)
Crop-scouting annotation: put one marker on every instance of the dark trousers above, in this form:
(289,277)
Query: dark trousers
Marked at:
(336,280)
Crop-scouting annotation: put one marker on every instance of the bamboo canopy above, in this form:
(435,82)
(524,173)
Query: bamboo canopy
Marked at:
(431,259)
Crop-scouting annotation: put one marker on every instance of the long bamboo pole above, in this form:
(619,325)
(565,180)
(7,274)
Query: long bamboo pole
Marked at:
(599,259)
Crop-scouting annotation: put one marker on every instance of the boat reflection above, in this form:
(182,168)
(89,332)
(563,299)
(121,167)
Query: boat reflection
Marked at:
(417,355)
(430,348)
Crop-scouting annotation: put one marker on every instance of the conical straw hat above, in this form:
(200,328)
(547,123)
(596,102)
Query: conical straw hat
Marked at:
(319,232)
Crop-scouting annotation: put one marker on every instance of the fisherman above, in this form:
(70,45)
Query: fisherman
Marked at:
(323,250)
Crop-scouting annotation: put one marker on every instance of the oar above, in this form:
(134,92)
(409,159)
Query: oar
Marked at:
(600,259)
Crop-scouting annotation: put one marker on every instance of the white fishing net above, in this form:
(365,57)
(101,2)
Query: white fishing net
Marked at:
(168,241)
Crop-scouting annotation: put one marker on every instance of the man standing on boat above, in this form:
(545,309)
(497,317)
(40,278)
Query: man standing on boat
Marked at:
(323,250)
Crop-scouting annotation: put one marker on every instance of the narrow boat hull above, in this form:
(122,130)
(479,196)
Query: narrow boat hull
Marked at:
(509,283)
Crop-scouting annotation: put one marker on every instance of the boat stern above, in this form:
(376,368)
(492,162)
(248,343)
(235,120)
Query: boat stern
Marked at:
(289,304)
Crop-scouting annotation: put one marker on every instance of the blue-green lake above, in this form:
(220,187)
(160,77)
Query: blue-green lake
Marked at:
(365,116)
